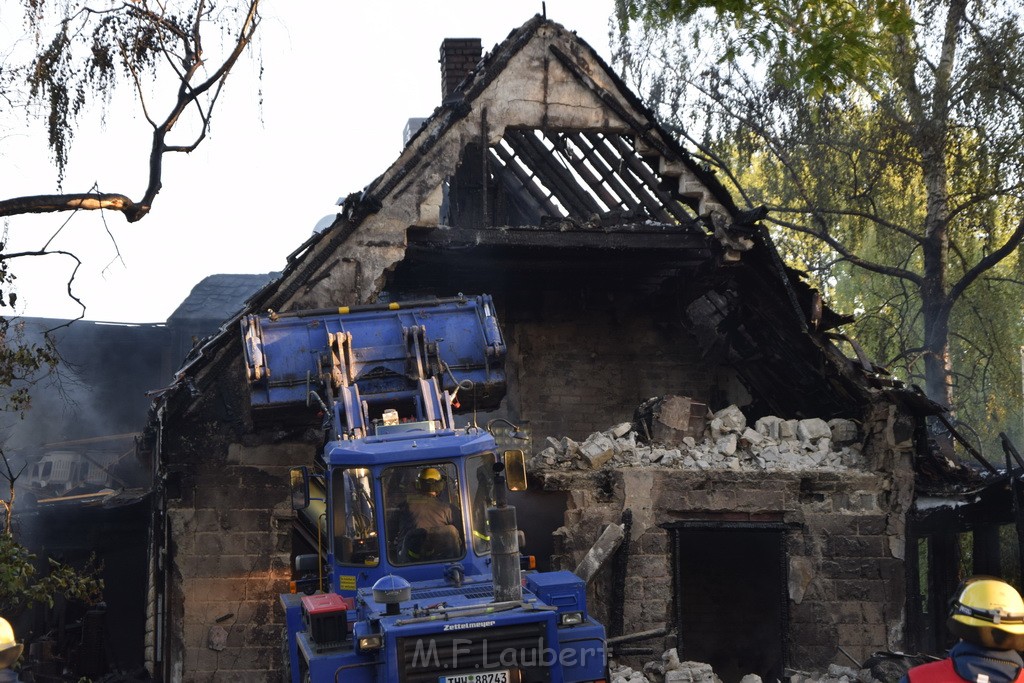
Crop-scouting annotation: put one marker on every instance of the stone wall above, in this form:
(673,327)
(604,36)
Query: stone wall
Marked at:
(231,557)
(841,524)
(227,522)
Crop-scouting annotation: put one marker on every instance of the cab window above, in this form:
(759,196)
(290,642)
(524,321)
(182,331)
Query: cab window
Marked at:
(480,475)
(424,513)
(355,517)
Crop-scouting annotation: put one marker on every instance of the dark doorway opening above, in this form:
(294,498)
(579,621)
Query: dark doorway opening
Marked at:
(731,597)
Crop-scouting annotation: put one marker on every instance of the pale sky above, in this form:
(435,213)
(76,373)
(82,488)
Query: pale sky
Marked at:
(339,83)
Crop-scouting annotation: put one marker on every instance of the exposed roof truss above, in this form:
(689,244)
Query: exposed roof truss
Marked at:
(582,176)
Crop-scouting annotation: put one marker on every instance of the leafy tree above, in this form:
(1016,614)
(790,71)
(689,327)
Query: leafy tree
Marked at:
(21,584)
(175,57)
(886,138)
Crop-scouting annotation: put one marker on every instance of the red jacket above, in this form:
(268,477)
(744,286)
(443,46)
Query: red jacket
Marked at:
(942,672)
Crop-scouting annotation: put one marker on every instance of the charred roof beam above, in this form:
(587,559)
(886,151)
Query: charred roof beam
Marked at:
(516,197)
(580,166)
(640,167)
(643,191)
(540,160)
(608,174)
(528,181)
(690,246)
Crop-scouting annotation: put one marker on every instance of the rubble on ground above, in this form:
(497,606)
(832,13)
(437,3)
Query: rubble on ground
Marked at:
(727,442)
(671,670)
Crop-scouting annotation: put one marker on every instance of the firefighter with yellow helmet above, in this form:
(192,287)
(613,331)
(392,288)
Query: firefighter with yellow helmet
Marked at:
(428,524)
(988,618)
(10,650)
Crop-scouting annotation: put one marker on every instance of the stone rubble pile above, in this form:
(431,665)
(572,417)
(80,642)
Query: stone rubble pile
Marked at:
(772,444)
(671,670)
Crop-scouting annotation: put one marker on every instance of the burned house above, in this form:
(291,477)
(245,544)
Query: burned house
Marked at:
(622,270)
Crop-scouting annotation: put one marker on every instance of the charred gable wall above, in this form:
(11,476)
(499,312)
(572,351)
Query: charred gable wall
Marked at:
(593,329)
(579,368)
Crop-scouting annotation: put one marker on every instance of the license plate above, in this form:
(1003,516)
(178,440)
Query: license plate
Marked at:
(500,676)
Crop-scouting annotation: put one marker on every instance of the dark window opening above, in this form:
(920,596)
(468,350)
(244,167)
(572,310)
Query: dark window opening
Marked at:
(731,599)
(939,564)
(1009,554)
(936,566)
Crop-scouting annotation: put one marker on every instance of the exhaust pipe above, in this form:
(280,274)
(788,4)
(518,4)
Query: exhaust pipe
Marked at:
(501,519)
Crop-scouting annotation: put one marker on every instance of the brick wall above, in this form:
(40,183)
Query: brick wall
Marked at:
(581,371)
(231,530)
(458,57)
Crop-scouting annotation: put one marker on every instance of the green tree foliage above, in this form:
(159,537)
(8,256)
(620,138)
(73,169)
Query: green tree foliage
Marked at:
(22,362)
(826,44)
(21,584)
(887,139)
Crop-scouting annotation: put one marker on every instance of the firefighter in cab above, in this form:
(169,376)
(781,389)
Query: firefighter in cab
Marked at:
(988,618)
(429,527)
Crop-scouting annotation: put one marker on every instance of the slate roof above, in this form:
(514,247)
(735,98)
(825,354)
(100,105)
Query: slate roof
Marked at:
(219,297)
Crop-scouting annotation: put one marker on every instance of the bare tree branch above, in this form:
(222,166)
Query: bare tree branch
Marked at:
(990,260)
(851,213)
(849,255)
(51,203)
(11,477)
(190,64)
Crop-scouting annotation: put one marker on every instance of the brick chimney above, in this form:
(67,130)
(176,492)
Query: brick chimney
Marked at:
(458,57)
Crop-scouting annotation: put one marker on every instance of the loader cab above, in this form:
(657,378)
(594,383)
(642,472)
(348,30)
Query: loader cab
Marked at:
(387,514)
(411,517)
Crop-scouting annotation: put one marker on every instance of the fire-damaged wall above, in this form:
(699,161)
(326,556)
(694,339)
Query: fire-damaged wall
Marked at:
(577,368)
(810,551)
(227,526)
(754,560)
(573,368)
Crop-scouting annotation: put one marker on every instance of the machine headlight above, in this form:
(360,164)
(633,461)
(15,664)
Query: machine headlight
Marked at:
(370,643)
(570,619)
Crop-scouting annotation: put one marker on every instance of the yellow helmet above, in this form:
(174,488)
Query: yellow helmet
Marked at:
(9,650)
(429,480)
(988,612)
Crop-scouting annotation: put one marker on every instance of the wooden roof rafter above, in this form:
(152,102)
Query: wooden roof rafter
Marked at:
(552,174)
(582,175)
